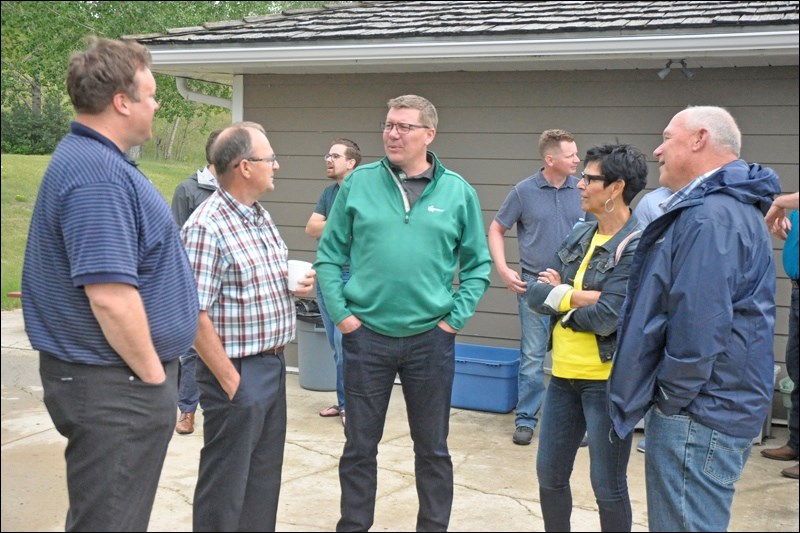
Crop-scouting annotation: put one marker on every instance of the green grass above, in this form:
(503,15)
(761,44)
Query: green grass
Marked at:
(21,175)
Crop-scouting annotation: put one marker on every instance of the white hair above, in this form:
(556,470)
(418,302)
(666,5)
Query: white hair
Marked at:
(720,124)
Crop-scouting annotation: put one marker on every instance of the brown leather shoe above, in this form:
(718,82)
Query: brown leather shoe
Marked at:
(792,472)
(185,424)
(784,453)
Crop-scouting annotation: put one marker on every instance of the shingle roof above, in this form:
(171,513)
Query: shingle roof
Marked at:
(453,19)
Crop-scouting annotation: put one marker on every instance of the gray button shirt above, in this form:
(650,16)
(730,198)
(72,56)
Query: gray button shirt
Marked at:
(544,216)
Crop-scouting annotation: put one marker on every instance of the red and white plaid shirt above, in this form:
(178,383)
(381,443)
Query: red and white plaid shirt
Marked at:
(239,261)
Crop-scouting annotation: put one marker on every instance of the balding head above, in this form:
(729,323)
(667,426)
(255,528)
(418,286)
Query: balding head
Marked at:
(696,141)
(724,134)
(233,144)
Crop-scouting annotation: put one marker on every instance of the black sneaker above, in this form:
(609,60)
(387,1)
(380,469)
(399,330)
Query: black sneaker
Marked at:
(523,435)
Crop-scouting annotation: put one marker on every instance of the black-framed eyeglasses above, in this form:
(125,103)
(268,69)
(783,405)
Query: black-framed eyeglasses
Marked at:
(402,127)
(332,157)
(588,178)
(271,160)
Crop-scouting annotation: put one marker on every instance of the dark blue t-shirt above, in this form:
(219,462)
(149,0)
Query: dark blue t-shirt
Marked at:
(98,219)
(326,200)
(324,205)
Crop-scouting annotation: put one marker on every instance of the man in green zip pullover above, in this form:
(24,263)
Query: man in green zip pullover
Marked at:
(405,224)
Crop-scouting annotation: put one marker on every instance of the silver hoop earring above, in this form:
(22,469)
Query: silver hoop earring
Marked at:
(613,205)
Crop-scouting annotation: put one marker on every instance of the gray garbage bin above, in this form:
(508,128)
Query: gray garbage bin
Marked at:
(315,365)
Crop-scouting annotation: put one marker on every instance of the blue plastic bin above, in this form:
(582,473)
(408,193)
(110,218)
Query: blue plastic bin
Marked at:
(485,378)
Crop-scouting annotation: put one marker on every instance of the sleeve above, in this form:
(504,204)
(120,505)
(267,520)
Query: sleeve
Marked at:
(700,313)
(207,260)
(602,317)
(333,253)
(181,204)
(475,266)
(101,234)
(546,299)
(510,211)
(322,204)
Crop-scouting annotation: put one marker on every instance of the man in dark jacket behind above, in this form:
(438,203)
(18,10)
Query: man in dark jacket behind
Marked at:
(695,339)
(189,194)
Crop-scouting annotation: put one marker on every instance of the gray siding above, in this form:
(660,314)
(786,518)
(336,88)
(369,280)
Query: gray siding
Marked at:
(489,124)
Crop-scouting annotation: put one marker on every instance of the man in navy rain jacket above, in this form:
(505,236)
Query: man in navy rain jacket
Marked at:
(695,339)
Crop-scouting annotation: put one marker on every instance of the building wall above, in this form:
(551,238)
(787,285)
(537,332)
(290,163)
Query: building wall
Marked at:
(489,123)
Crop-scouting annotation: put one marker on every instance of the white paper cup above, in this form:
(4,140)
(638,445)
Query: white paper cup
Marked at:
(297,271)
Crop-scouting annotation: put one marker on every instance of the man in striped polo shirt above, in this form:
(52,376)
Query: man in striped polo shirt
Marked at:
(109,298)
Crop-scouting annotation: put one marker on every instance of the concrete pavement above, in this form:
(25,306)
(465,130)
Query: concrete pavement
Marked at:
(495,480)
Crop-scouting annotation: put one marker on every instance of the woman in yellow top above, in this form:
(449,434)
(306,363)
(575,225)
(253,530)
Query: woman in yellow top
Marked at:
(584,291)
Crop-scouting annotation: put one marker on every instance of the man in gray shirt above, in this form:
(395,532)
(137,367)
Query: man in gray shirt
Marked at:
(649,207)
(544,207)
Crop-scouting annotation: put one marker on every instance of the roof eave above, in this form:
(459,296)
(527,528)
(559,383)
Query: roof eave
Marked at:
(215,61)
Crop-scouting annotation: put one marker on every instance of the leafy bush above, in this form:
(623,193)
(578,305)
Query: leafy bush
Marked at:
(25,133)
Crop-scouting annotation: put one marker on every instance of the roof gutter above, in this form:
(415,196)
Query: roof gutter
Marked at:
(745,43)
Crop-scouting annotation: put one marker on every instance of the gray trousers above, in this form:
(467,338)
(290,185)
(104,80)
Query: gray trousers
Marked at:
(243,439)
(117,429)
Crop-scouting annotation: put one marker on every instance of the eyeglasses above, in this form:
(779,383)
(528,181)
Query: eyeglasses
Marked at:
(403,128)
(588,178)
(332,157)
(271,160)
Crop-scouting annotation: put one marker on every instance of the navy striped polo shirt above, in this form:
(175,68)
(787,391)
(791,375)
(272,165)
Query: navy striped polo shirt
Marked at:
(98,219)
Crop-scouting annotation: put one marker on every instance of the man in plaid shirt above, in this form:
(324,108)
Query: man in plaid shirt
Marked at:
(246,319)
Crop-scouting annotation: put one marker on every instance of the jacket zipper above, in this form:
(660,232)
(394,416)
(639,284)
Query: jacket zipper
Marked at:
(406,203)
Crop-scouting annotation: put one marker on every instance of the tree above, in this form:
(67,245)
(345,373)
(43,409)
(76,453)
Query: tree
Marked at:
(39,37)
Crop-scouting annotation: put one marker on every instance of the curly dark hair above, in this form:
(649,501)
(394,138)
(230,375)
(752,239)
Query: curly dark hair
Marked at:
(620,162)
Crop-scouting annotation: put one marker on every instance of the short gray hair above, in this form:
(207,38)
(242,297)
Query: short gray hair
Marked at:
(720,124)
(232,145)
(427,112)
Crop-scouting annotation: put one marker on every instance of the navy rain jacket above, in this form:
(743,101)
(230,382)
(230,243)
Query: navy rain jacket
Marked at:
(696,329)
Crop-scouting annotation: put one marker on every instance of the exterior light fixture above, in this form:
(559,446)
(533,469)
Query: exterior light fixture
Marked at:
(685,70)
(664,72)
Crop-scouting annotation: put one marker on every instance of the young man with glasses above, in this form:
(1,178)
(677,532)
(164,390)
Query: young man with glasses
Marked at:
(343,156)
(405,225)
(247,317)
(544,207)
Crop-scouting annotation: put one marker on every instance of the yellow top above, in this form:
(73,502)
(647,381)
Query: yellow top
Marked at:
(575,353)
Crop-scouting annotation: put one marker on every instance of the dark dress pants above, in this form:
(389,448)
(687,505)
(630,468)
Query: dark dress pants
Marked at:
(243,439)
(117,429)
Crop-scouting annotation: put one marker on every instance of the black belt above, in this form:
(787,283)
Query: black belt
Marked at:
(528,272)
(796,284)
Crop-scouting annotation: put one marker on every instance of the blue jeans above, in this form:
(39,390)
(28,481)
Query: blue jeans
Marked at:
(690,470)
(335,342)
(535,332)
(426,364)
(793,367)
(188,393)
(574,407)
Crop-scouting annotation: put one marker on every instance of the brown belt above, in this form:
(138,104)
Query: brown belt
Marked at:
(277,350)
(795,284)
